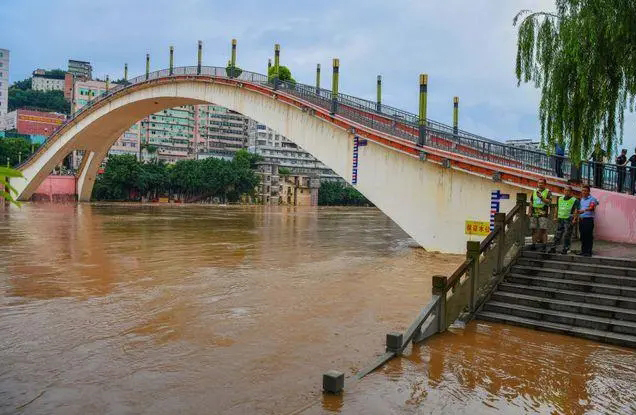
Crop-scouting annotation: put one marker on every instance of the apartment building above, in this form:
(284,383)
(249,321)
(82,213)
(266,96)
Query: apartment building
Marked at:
(80,69)
(275,148)
(221,132)
(170,132)
(276,188)
(4,83)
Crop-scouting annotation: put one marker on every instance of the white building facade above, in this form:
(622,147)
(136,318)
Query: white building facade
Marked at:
(275,148)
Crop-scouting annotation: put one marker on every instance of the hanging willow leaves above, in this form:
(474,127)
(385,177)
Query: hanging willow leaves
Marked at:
(583,58)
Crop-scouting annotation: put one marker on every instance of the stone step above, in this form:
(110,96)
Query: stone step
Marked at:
(562,317)
(576,266)
(607,337)
(576,307)
(599,260)
(572,285)
(577,296)
(575,275)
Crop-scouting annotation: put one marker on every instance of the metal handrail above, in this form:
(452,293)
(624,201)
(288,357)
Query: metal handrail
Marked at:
(389,120)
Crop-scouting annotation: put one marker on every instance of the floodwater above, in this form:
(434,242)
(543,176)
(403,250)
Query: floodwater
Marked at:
(116,309)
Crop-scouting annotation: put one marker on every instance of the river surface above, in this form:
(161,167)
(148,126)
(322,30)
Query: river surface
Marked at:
(116,309)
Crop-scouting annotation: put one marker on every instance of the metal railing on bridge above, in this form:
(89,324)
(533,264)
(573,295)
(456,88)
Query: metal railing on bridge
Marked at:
(405,125)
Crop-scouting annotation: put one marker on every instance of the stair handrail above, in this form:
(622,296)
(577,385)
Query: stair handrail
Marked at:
(468,287)
(465,290)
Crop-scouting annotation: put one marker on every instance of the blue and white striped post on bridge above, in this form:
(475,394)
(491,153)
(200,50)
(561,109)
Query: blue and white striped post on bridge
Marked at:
(495,197)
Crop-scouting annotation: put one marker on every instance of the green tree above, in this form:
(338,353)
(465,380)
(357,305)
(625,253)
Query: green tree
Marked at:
(233,71)
(47,100)
(56,73)
(23,85)
(14,150)
(340,194)
(284,171)
(583,57)
(282,72)
(120,177)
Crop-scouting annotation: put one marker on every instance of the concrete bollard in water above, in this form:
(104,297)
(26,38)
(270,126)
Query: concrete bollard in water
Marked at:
(333,382)
(394,342)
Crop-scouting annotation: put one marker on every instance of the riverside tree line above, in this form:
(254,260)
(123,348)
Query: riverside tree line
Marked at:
(125,179)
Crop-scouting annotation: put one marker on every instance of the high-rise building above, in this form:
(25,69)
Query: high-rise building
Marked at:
(170,133)
(4,83)
(221,132)
(80,69)
(275,148)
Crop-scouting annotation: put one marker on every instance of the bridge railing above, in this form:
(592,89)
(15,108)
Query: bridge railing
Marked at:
(401,124)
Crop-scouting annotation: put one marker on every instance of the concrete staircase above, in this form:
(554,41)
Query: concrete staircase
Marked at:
(586,297)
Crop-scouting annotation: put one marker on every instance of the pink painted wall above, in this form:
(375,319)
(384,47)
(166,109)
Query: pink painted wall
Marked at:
(56,188)
(615,217)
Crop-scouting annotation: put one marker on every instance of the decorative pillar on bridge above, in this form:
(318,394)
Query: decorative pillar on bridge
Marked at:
(276,64)
(199,56)
(334,86)
(269,65)
(125,73)
(455,115)
(107,83)
(378,103)
(422,115)
(147,65)
(171,60)
(233,58)
(318,79)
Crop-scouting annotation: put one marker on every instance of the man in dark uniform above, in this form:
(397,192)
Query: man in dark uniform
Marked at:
(621,162)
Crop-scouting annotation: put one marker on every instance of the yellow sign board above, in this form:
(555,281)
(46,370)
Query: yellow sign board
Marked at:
(474,227)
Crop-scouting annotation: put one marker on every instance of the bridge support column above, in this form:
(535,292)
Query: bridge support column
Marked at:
(422,116)
(199,56)
(318,79)
(378,103)
(334,86)
(88,173)
(455,115)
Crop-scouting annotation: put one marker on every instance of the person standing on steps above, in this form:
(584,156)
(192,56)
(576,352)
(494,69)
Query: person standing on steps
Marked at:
(567,208)
(586,221)
(538,212)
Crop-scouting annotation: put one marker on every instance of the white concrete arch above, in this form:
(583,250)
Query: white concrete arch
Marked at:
(428,201)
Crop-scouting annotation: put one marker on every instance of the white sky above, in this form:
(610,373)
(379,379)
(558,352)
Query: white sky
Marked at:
(467,47)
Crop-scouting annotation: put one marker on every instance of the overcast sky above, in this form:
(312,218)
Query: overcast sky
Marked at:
(467,47)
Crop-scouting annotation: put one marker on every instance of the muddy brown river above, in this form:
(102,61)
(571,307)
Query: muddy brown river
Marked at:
(124,309)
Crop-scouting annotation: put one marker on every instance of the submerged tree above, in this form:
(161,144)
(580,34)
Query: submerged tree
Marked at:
(583,57)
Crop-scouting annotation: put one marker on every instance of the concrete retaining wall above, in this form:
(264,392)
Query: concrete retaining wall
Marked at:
(56,189)
(615,217)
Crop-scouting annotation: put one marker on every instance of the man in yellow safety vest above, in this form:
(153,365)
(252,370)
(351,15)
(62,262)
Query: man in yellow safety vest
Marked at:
(567,208)
(538,212)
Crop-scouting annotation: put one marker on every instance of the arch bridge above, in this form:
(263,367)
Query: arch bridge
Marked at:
(429,178)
